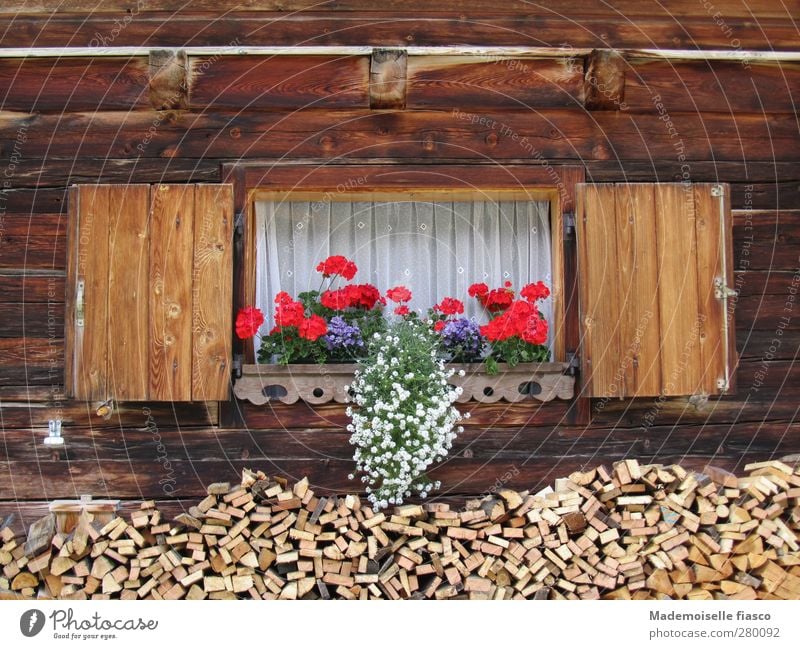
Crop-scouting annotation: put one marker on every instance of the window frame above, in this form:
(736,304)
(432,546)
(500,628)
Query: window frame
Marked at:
(254,181)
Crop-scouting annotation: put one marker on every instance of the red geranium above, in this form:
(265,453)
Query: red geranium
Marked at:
(283,298)
(336,300)
(364,295)
(478,289)
(450,306)
(313,327)
(399,294)
(533,292)
(438,325)
(337,265)
(289,313)
(401,310)
(248,321)
(498,299)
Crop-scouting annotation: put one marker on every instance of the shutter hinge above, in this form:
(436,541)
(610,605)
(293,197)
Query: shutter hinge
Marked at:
(238,224)
(236,370)
(573,364)
(568,219)
(722,291)
(717,190)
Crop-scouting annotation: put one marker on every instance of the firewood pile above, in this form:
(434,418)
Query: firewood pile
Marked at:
(635,531)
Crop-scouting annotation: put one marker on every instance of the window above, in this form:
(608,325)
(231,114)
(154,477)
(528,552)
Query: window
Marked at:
(435,243)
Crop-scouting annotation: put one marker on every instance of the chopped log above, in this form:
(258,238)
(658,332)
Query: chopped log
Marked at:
(632,531)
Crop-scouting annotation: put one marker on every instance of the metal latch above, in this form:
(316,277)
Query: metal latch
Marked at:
(573,364)
(238,359)
(54,433)
(79,313)
(722,291)
(569,224)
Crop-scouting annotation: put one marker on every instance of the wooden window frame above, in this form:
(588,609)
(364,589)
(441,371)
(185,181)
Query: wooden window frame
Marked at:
(258,180)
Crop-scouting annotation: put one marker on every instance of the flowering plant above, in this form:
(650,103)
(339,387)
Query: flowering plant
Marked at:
(517,330)
(333,323)
(404,419)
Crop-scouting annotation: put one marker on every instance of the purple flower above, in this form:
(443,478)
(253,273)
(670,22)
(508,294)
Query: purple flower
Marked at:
(462,340)
(342,336)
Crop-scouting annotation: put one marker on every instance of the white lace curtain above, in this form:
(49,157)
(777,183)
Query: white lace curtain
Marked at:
(436,249)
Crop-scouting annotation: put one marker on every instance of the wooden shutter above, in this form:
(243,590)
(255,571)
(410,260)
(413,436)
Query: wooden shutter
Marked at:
(149,292)
(654,264)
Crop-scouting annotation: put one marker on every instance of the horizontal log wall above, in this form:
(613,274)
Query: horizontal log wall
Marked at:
(77,119)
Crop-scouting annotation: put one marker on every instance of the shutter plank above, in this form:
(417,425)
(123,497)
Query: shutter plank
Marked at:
(73,240)
(171,262)
(598,277)
(212,292)
(91,340)
(681,362)
(128,295)
(638,287)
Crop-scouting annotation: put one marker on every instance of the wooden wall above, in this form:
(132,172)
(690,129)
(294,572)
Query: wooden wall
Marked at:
(69,120)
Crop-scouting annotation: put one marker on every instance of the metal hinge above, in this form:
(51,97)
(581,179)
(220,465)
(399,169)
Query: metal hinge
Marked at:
(717,190)
(723,385)
(79,303)
(722,291)
(238,224)
(569,224)
(236,371)
(574,364)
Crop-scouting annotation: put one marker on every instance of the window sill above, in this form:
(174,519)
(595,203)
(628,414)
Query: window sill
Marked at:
(317,384)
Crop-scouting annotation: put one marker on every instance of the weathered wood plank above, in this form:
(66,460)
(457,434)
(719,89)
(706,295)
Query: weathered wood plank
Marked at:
(169,86)
(33,241)
(31,172)
(595,28)
(681,367)
(470,82)
(726,86)
(573,8)
(154,418)
(61,84)
(358,134)
(711,314)
(212,292)
(279,82)
(128,292)
(598,289)
(170,292)
(36,320)
(638,286)
(16,287)
(89,379)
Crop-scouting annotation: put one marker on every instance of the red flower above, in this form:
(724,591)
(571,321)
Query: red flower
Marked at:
(336,300)
(248,321)
(313,327)
(401,310)
(399,294)
(477,290)
(507,284)
(283,298)
(535,331)
(500,328)
(533,292)
(337,265)
(450,306)
(498,299)
(289,314)
(364,295)
(438,325)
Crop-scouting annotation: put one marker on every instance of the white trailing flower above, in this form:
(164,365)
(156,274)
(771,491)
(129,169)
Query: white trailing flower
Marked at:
(405,419)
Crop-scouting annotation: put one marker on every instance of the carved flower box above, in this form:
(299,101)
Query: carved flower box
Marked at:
(316,384)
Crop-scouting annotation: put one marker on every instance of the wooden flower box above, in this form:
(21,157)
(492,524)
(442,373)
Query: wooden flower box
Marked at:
(318,384)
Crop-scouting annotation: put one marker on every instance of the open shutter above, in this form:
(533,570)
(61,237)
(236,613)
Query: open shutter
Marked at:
(149,292)
(654,267)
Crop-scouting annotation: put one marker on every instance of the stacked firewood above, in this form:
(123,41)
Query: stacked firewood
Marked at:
(635,531)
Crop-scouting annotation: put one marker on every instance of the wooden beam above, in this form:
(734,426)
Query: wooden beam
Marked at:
(387,79)
(169,85)
(604,80)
